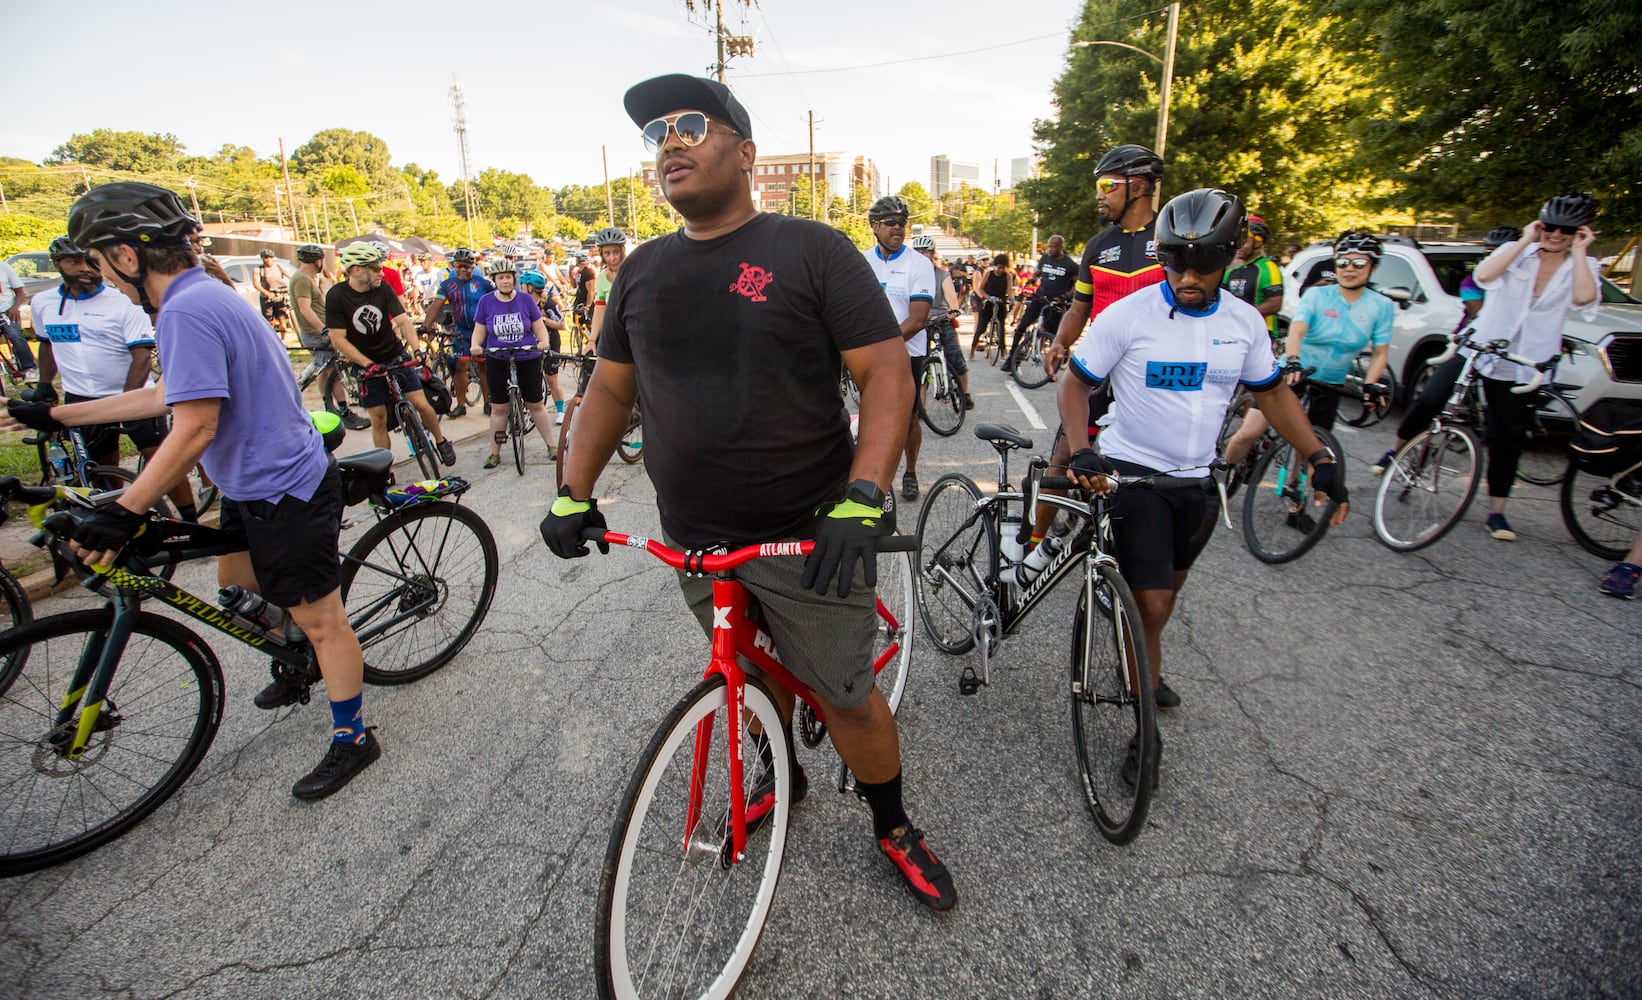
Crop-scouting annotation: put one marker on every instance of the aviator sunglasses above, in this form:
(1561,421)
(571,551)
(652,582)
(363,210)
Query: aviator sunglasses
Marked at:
(690,127)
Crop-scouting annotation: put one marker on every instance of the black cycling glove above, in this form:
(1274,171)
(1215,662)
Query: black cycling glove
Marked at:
(41,394)
(35,415)
(848,532)
(566,519)
(110,528)
(1325,478)
(1089,462)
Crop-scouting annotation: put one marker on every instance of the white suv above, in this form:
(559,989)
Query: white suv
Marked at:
(1606,358)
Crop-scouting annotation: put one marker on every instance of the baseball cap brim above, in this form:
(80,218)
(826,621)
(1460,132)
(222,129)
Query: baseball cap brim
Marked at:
(649,100)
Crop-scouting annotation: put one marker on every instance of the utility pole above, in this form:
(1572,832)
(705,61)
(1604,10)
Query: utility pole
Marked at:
(728,44)
(1167,90)
(192,183)
(813,191)
(609,202)
(7,208)
(279,210)
(469,203)
(354,216)
(290,198)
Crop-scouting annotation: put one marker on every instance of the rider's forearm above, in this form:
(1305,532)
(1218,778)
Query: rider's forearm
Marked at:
(601,419)
(1377,364)
(1296,337)
(1072,400)
(193,425)
(46,362)
(339,340)
(886,411)
(1493,266)
(1585,291)
(138,404)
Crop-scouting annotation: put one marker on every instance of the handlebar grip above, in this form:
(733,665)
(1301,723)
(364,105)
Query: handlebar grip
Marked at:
(1448,352)
(592,534)
(897,543)
(1057,483)
(1527,387)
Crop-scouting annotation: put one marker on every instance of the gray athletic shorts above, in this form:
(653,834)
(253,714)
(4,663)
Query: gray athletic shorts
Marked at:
(826,642)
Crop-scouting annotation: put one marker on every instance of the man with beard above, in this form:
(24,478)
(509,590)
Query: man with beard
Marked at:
(732,330)
(1055,276)
(102,345)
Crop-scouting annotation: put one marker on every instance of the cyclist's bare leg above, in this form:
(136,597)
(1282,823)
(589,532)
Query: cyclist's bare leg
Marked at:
(539,416)
(430,419)
(1155,608)
(379,425)
(459,391)
(341,663)
(866,738)
(330,386)
(234,570)
(1253,427)
(498,425)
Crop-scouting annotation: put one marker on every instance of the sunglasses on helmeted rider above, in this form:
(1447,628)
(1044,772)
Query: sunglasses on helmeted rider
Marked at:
(1356,262)
(1568,230)
(1105,184)
(1203,260)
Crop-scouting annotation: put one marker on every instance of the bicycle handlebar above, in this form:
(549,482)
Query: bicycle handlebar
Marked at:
(1153,482)
(697,561)
(1497,348)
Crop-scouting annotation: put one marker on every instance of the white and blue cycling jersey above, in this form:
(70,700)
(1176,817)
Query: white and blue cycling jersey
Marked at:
(1173,373)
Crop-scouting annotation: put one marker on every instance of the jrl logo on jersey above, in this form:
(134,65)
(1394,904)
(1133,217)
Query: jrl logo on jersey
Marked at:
(1176,376)
(63,333)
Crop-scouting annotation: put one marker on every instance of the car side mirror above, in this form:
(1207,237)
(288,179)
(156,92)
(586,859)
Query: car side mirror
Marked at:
(1402,296)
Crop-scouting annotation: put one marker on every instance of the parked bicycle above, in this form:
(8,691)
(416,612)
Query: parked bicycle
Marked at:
(108,711)
(940,400)
(687,884)
(1601,499)
(1028,364)
(976,585)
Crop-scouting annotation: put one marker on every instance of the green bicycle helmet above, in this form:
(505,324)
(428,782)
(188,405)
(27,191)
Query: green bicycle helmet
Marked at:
(359,255)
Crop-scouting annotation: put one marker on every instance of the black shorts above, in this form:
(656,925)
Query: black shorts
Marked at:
(373,392)
(292,543)
(918,366)
(531,382)
(1157,533)
(102,439)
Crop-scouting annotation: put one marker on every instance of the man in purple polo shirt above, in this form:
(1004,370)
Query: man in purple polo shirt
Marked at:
(236,410)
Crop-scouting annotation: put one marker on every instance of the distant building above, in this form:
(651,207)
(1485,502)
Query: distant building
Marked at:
(1022,168)
(774,176)
(946,174)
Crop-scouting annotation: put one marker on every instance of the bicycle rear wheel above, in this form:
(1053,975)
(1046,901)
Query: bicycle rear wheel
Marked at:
(1030,371)
(1427,488)
(162,711)
(416,436)
(1546,459)
(940,402)
(1236,413)
(1280,522)
(15,611)
(676,916)
(1357,412)
(417,585)
(1603,513)
(631,445)
(1113,707)
(957,561)
(516,429)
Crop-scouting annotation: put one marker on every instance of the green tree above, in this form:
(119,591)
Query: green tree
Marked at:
(142,151)
(339,147)
(344,181)
(505,194)
(919,202)
(1488,107)
(25,232)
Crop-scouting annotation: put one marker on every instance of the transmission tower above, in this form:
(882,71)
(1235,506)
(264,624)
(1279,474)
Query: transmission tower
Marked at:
(469,202)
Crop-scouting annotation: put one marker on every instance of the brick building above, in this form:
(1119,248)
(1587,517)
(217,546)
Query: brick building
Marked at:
(774,176)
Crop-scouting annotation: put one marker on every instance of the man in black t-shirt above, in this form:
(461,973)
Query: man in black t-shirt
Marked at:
(583,279)
(365,321)
(732,331)
(1055,274)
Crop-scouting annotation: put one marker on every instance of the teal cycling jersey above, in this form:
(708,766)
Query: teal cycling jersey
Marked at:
(1338,331)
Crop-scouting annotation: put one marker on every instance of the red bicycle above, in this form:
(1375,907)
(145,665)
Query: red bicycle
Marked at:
(688,878)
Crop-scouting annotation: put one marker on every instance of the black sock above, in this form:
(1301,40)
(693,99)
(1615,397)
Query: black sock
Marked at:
(885,802)
(188,512)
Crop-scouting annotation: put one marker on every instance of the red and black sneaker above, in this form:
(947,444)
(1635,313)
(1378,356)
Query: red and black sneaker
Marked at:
(927,879)
(761,805)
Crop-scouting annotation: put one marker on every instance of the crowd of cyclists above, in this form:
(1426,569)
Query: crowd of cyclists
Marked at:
(1166,313)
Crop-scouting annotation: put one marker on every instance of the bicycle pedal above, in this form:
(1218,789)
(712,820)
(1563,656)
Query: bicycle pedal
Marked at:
(969,683)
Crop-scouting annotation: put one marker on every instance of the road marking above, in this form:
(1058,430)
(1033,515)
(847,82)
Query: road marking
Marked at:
(1026,407)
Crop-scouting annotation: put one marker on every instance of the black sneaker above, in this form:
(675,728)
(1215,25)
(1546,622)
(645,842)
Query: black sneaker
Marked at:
(281,691)
(457,411)
(447,452)
(926,878)
(1166,698)
(341,762)
(909,487)
(969,401)
(1130,772)
(354,421)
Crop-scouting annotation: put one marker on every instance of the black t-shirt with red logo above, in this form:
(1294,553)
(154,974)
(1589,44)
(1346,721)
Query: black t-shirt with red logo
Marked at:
(736,342)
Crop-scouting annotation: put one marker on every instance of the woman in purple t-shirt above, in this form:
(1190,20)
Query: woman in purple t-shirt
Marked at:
(509,322)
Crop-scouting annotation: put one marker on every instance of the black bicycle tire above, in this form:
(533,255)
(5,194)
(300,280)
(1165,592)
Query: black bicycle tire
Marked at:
(421,443)
(1558,468)
(1579,490)
(1282,451)
(1145,703)
(205,669)
(360,551)
(1030,370)
(995,338)
(564,442)
(928,390)
(632,455)
(959,639)
(1391,476)
(516,428)
(628,820)
(20,611)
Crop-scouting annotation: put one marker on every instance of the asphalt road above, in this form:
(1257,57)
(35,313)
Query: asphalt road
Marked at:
(1392,775)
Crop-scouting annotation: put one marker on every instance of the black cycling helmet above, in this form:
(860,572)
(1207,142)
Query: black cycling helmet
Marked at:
(1130,160)
(265,254)
(310,252)
(1571,208)
(463,256)
(1258,227)
(62,246)
(1501,236)
(128,212)
(887,206)
(1364,243)
(610,236)
(1207,217)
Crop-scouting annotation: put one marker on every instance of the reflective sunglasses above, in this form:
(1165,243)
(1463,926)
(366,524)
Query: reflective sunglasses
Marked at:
(1352,262)
(1202,259)
(1105,184)
(895,223)
(690,127)
(1567,230)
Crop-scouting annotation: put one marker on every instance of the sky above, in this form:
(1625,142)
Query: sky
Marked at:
(543,82)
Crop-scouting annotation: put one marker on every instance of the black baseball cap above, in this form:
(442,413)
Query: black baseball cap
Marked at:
(647,101)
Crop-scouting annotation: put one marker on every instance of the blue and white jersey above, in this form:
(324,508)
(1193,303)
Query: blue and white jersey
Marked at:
(91,338)
(1173,373)
(906,276)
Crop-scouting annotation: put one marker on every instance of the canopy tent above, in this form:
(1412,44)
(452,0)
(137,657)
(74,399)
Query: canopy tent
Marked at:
(398,249)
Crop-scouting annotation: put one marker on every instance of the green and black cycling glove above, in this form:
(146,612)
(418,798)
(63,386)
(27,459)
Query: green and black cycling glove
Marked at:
(848,532)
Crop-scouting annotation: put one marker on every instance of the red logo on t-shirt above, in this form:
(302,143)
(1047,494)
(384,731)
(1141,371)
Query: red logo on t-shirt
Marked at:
(1330,313)
(752,282)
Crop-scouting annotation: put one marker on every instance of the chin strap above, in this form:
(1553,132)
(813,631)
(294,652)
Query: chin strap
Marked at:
(136,280)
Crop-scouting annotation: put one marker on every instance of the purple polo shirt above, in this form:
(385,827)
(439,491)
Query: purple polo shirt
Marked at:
(215,345)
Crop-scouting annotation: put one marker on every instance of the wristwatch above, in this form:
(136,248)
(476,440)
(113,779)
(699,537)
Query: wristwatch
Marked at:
(1320,454)
(865,491)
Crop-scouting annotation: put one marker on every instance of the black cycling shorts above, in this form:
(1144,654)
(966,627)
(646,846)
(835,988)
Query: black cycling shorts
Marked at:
(531,382)
(373,391)
(1157,533)
(292,543)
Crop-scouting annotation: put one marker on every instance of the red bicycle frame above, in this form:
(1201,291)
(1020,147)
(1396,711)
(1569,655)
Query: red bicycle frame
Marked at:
(734,634)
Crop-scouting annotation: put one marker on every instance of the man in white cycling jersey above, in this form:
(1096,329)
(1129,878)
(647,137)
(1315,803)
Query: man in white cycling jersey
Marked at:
(1175,353)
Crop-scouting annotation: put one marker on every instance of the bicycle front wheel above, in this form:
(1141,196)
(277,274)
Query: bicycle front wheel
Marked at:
(995,338)
(940,402)
(957,561)
(1427,488)
(1603,513)
(678,916)
(1280,521)
(1114,710)
(1546,459)
(631,445)
(417,585)
(1030,371)
(892,650)
(15,611)
(416,436)
(516,429)
(162,711)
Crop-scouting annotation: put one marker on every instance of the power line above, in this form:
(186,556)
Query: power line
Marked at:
(914,59)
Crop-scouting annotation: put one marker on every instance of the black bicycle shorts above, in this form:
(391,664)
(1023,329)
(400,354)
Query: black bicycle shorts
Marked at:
(292,543)
(101,439)
(1157,533)
(531,381)
(373,392)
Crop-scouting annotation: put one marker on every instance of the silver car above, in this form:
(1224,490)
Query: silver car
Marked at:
(1605,355)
